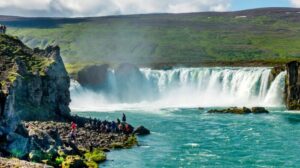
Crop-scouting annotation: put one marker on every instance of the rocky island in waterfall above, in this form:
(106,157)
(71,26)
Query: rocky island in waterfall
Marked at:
(212,83)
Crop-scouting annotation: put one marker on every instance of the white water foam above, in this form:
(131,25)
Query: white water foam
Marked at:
(183,87)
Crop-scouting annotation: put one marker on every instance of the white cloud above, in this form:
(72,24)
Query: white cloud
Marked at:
(295,3)
(71,8)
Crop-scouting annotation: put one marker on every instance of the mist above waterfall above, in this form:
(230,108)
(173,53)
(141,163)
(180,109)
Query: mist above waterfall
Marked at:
(183,87)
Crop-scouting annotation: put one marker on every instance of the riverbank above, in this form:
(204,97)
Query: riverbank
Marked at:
(53,147)
(86,149)
(85,136)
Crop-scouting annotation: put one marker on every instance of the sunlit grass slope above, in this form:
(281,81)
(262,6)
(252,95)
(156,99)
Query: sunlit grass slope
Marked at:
(268,36)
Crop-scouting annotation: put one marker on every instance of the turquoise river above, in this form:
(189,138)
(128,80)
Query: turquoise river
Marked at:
(184,135)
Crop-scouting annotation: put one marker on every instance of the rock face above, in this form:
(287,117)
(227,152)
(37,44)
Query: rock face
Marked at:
(34,86)
(275,72)
(292,88)
(93,76)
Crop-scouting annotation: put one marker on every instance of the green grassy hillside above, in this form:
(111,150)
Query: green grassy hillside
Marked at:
(270,35)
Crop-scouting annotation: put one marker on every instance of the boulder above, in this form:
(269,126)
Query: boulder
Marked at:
(38,156)
(44,145)
(18,145)
(259,110)
(41,139)
(141,130)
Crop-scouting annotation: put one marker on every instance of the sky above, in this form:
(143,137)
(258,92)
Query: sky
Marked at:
(84,8)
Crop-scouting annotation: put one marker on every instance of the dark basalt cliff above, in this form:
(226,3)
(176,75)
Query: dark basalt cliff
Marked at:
(292,88)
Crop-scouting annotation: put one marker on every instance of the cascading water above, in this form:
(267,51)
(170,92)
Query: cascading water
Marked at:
(183,87)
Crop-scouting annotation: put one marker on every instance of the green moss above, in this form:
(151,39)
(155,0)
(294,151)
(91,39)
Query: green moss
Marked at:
(12,76)
(96,155)
(59,160)
(131,141)
(117,145)
(12,50)
(92,164)
(92,159)
(73,161)
(72,69)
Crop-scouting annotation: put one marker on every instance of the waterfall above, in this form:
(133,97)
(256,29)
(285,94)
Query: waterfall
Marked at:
(184,87)
(276,91)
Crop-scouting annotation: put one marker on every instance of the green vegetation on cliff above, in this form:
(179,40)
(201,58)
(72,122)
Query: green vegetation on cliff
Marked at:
(31,77)
(268,36)
(14,53)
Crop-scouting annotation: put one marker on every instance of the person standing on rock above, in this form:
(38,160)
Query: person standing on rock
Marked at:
(73,127)
(124,118)
(113,127)
(72,134)
(4,29)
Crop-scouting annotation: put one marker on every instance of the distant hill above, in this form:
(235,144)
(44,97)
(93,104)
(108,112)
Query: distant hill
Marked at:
(267,35)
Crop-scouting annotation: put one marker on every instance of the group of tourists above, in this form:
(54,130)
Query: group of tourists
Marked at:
(104,126)
(2,29)
(111,126)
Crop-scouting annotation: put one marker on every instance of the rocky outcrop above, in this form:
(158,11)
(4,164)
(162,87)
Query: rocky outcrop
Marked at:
(34,86)
(243,110)
(292,88)
(84,138)
(275,71)
(94,77)
(52,141)
(259,110)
